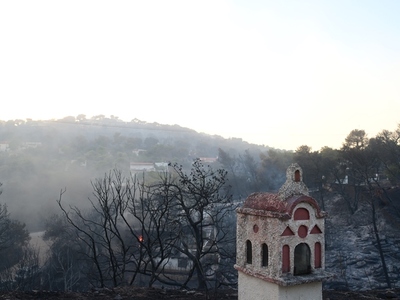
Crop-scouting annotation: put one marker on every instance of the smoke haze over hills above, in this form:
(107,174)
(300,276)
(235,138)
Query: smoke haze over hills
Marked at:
(43,157)
(279,74)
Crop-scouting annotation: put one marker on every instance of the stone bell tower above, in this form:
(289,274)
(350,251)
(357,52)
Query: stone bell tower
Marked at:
(281,244)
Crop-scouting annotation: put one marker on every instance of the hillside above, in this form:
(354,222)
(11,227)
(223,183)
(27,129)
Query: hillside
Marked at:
(39,158)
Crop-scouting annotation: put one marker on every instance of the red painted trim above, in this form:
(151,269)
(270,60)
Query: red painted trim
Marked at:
(255,228)
(285,259)
(315,230)
(302,231)
(301,214)
(292,202)
(287,232)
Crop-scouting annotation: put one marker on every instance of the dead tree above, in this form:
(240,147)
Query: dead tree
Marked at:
(124,233)
(101,231)
(201,203)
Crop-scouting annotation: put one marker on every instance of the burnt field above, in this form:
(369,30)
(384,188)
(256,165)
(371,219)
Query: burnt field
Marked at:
(127,293)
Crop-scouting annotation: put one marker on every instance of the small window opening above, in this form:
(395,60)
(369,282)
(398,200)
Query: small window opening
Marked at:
(264,255)
(249,252)
(317,255)
(302,264)
(297,176)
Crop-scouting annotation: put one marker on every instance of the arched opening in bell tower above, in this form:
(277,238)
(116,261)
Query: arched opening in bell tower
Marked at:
(297,176)
(302,255)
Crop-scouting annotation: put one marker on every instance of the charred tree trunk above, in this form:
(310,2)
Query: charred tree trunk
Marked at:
(379,245)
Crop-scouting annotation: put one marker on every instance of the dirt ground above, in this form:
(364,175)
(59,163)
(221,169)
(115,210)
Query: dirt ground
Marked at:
(130,293)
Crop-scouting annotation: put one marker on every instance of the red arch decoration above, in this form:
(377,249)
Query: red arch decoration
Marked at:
(301,214)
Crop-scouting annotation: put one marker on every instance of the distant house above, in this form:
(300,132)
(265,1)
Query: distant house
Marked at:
(208,159)
(32,144)
(4,147)
(142,167)
(161,166)
(345,180)
(138,151)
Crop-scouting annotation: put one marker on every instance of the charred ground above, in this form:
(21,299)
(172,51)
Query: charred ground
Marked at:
(128,293)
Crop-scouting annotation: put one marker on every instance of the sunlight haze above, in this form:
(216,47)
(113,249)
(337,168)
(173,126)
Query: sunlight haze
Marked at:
(278,73)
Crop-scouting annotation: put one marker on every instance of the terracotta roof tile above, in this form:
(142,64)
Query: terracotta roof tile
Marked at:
(273,203)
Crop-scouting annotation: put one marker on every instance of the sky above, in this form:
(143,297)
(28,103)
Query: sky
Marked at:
(276,73)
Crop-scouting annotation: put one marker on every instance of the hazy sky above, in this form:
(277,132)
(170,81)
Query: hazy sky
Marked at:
(279,73)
